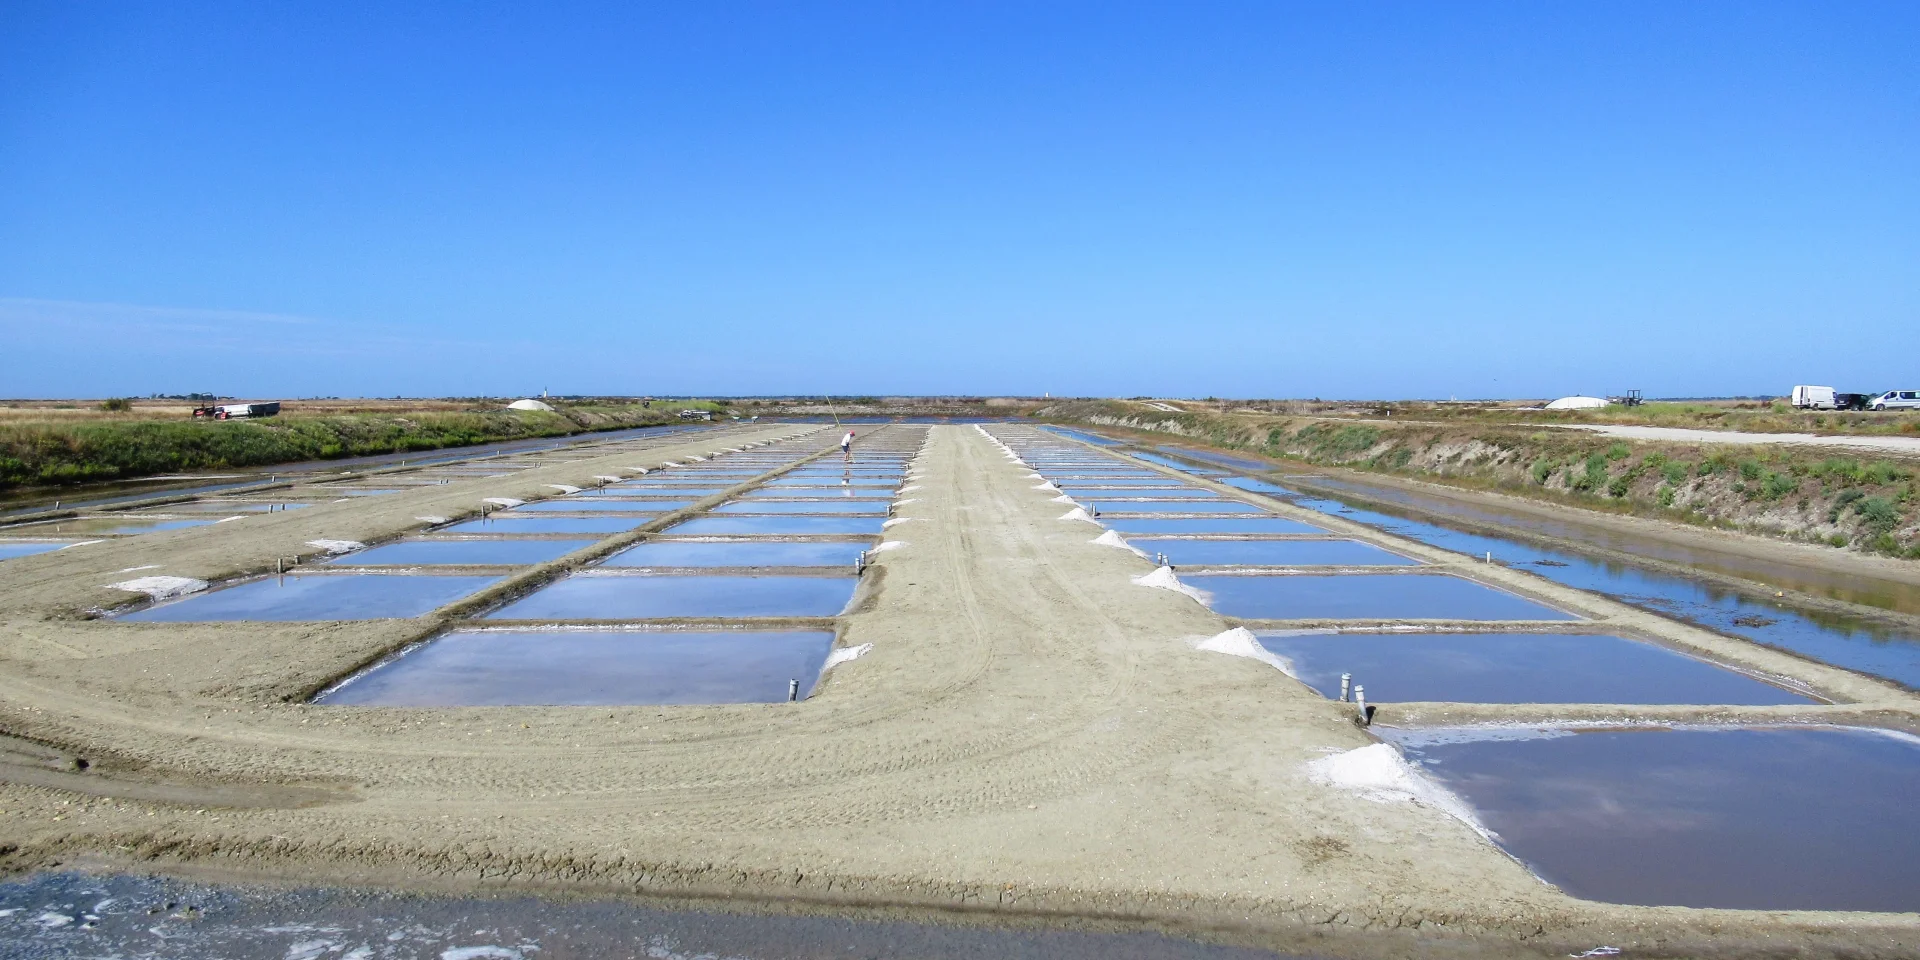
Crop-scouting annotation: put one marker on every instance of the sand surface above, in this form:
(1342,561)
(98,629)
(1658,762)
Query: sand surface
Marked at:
(1030,734)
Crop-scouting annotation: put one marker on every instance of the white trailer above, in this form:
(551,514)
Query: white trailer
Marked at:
(1813,398)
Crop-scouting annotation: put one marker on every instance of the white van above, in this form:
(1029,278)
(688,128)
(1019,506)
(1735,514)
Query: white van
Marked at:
(1813,398)
(1896,400)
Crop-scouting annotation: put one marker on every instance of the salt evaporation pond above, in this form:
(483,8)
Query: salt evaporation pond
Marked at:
(508,523)
(1755,818)
(27,548)
(1205,525)
(457,552)
(739,553)
(591,668)
(1220,553)
(779,526)
(649,597)
(1369,597)
(318,597)
(1516,668)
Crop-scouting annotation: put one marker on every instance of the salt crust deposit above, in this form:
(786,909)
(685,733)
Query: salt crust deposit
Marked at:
(337,547)
(504,501)
(844,654)
(1078,514)
(909,488)
(640,470)
(886,545)
(1112,538)
(160,588)
(895,520)
(1379,773)
(1240,642)
(564,487)
(1164,579)
(1045,485)
(1063,498)
(227,519)
(433,520)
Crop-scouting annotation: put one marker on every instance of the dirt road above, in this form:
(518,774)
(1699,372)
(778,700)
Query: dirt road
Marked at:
(1901,445)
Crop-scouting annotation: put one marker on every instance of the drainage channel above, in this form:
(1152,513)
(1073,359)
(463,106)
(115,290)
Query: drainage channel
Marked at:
(1789,808)
(690,613)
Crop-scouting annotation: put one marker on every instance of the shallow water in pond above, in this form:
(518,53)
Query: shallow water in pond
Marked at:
(744,553)
(508,523)
(1811,818)
(1137,494)
(644,597)
(777,526)
(1175,506)
(1262,524)
(1126,483)
(651,491)
(602,505)
(591,668)
(804,506)
(869,483)
(1272,553)
(1361,596)
(127,525)
(155,918)
(454,552)
(314,597)
(26,549)
(1516,668)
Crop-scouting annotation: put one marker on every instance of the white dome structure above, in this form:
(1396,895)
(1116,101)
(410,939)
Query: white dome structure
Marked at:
(1577,403)
(529,405)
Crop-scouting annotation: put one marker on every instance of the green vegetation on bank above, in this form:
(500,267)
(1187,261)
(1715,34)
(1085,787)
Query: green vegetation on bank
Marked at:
(60,453)
(1798,493)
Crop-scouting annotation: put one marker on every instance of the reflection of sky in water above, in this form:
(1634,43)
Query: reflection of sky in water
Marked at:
(1699,816)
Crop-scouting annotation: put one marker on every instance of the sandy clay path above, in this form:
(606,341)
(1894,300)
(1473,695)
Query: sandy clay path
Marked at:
(1031,736)
(1903,445)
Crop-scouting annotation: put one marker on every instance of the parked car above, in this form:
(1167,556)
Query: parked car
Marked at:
(1851,401)
(1813,398)
(1896,400)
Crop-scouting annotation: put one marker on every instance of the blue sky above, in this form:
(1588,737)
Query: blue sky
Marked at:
(1361,200)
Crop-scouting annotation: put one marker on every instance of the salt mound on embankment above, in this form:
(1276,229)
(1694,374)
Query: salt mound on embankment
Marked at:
(896,520)
(844,654)
(1379,773)
(435,521)
(1164,579)
(564,487)
(886,545)
(1240,642)
(1063,498)
(160,588)
(337,547)
(1078,514)
(1045,485)
(507,502)
(1112,538)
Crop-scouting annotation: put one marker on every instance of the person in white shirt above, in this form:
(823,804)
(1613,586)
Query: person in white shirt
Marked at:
(846,447)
